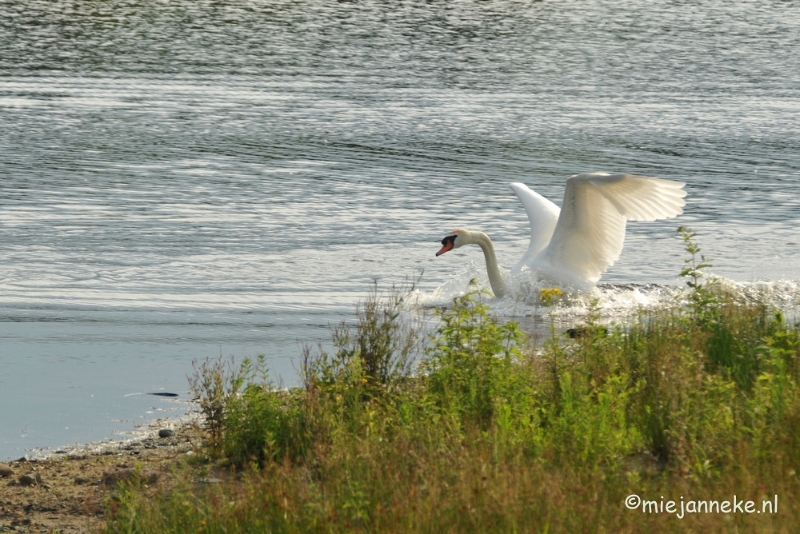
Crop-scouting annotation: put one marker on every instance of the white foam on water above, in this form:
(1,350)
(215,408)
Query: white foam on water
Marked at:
(615,302)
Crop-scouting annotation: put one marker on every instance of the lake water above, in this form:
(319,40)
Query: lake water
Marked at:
(183,179)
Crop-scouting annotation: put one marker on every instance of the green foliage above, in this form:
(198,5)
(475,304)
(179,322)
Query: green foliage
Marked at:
(246,418)
(702,297)
(487,436)
(214,384)
(265,425)
(378,351)
(471,361)
(733,334)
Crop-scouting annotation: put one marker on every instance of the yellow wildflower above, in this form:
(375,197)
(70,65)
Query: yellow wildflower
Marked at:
(550,295)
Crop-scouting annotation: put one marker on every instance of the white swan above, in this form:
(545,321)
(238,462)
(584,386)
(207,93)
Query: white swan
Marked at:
(574,245)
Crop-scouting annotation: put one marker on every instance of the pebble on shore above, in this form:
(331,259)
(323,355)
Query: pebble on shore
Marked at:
(31,479)
(6,471)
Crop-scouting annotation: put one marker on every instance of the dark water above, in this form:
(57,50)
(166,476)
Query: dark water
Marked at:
(185,179)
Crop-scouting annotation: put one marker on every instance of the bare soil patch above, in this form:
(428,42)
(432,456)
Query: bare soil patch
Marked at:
(66,492)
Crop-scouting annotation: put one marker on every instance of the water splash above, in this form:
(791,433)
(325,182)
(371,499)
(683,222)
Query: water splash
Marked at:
(616,302)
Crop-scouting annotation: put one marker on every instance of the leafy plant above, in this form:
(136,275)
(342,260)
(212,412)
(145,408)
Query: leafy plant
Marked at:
(702,298)
(488,437)
(377,351)
(214,384)
(470,360)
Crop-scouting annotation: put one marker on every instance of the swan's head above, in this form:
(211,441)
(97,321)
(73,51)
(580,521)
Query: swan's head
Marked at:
(455,239)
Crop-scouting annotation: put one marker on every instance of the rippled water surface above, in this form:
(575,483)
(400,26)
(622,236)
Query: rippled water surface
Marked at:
(182,179)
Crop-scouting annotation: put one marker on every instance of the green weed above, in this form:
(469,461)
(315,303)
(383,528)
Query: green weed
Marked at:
(700,401)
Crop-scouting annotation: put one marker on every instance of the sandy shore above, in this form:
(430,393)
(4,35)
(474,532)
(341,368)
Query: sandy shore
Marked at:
(65,491)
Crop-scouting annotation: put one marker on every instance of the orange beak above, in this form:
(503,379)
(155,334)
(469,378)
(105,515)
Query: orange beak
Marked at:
(448,243)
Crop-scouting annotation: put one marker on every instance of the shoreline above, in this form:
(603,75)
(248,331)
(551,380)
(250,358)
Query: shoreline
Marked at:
(65,490)
(172,411)
(140,432)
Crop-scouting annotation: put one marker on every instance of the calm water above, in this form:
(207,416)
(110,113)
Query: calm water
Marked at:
(183,179)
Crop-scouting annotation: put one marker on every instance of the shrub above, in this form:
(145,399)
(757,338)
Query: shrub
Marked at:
(214,384)
(701,400)
(378,351)
(471,359)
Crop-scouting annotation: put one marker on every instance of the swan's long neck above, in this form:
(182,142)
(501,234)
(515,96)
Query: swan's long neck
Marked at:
(496,277)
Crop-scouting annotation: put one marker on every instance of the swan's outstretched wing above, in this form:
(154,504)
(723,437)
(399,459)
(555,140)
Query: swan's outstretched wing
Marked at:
(590,232)
(542,215)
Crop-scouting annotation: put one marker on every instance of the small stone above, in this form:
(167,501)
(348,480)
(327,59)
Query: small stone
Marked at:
(81,480)
(30,479)
(166,433)
(6,471)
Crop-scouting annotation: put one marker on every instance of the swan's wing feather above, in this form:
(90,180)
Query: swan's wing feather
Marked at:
(590,233)
(639,198)
(542,216)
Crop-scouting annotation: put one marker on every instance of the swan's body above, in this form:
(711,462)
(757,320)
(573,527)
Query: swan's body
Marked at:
(574,245)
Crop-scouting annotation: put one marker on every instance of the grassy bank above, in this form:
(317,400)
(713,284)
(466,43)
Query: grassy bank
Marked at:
(695,403)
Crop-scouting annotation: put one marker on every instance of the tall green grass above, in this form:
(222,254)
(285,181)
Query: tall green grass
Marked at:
(699,402)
